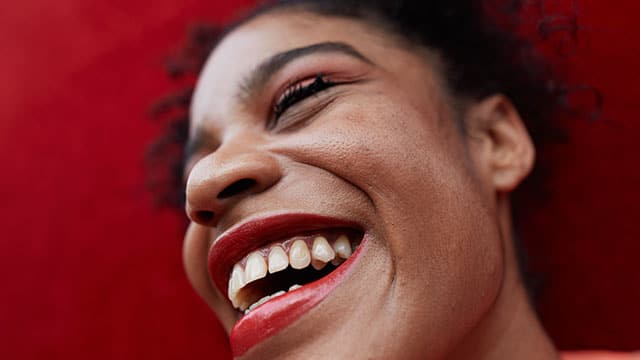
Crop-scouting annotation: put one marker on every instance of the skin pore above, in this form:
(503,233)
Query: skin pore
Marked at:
(381,147)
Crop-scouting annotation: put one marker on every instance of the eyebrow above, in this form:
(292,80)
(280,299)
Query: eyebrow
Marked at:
(259,77)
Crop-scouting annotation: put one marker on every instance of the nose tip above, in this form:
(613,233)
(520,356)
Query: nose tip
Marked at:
(217,181)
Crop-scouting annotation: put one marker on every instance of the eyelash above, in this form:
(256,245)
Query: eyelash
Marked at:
(299,92)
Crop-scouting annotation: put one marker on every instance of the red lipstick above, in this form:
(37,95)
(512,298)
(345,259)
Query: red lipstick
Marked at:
(276,314)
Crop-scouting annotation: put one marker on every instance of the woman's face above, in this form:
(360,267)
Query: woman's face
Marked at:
(304,127)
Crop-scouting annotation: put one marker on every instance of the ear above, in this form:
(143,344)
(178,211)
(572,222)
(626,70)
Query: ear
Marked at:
(499,142)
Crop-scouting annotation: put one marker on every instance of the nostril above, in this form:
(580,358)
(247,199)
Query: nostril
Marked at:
(236,188)
(204,216)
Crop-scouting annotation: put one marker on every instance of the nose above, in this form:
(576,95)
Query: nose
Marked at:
(226,176)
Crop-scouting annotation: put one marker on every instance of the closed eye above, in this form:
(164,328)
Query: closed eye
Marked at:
(297,93)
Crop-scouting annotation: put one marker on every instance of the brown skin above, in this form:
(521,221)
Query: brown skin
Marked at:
(440,277)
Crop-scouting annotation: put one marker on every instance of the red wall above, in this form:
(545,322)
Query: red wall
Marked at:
(89,268)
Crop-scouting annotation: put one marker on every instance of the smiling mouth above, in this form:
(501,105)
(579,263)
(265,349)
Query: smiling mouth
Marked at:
(277,268)
(280,267)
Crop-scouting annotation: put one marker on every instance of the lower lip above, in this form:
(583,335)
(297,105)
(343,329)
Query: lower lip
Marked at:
(275,315)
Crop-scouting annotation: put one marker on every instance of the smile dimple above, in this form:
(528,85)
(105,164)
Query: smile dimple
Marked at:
(280,267)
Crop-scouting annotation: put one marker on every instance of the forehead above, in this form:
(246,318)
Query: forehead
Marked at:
(247,46)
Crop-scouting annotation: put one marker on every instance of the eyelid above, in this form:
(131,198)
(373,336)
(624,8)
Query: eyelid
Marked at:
(300,90)
(338,67)
(306,81)
(298,81)
(298,117)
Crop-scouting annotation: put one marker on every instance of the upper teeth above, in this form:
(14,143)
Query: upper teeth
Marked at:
(299,256)
(278,256)
(278,259)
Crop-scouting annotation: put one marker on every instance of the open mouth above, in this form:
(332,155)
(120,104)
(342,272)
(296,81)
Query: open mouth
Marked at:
(283,266)
(276,269)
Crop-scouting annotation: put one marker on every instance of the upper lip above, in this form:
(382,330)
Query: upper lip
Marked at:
(249,235)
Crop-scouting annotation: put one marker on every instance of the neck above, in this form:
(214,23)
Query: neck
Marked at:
(511,329)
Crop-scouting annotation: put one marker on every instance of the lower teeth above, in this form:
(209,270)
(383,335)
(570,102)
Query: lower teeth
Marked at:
(269,297)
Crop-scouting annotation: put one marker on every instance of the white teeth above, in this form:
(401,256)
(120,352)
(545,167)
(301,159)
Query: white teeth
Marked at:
(256,267)
(236,282)
(321,250)
(264,300)
(342,246)
(299,255)
(321,253)
(259,302)
(278,260)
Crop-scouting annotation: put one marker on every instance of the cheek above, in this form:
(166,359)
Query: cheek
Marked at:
(194,252)
(194,257)
(412,164)
(438,230)
(389,150)
(368,134)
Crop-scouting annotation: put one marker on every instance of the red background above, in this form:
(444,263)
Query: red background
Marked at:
(89,269)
